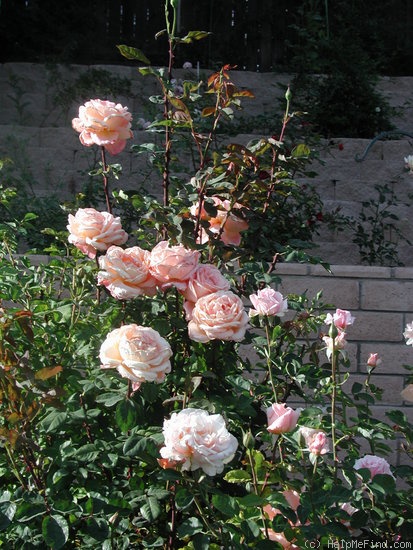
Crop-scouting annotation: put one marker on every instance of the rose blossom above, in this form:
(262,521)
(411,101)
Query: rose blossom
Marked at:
(281,419)
(91,230)
(172,265)
(205,280)
(375,464)
(341,319)
(225,223)
(407,393)
(408,161)
(408,334)
(125,273)
(268,302)
(197,439)
(315,440)
(103,123)
(337,343)
(373,360)
(138,353)
(218,316)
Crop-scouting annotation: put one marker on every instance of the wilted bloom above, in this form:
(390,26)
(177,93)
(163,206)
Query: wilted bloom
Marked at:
(103,123)
(373,360)
(125,273)
(138,353)
(408,334)
(315,440)
(93,231)
(173,265)
(341,319)
(337,343)
(409,163)
(407,393)
(268,302)
(281,419)
(375,464)
(196,439)
(218,316)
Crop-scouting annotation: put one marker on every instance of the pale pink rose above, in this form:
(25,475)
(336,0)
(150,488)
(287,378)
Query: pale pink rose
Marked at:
(341,319)
(205,280)
(348,508)
(408,334)
(173,265)
(196,439)
(407,393)
(338,343)
(93,231)
(218,316)
(316,441)
(373,360)
(225,224)
(281,419)
(375,464)
(103,123)
(280,538)
(292,498)
(268,302)
(408,162)
(125,273)
(138,353)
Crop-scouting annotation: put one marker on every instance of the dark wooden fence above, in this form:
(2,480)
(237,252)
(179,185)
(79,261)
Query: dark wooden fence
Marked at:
(251,34)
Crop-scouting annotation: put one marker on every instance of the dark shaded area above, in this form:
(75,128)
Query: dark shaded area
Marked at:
(261,35)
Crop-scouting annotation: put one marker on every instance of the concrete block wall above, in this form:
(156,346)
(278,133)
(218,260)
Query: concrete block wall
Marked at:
(381,300)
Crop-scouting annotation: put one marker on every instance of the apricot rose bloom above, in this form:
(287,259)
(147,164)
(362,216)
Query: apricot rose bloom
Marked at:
(268,302)
(103,123)
(205,280)
(196,439)
(281,419)
(137,353)
(92,231)
(218,316)
(375,464)
(125,273)
(173,265)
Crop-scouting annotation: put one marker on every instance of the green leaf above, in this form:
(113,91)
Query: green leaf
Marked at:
(301,150)
(55,531)
(109,398)
(382,484)
(151,509)
(7,511)
(142,448)
(126,415)
(194,35)
(97,528)
(237,476)
(87,453)
(132,53)
(189,527)
(225,504)
(53,421)
(183,498)
(29,510)
(251,501)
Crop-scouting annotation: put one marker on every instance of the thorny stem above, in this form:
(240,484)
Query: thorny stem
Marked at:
(105,180)
(267,334)
(334,397)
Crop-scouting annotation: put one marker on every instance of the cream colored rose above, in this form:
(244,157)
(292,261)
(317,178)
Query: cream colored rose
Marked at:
(93,231)
(218,316)
(103,123)
(138,353)
(196,439)
(173,265)
(125,273)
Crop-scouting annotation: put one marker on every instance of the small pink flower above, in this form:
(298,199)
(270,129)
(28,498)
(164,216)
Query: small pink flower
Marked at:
(407,393)
(374,360)
(173,265)
(103,123)
(315,440)
(338,343)
(93,231)
(341,319)
(408,334)
(375,464)
(268,302)
(281,419)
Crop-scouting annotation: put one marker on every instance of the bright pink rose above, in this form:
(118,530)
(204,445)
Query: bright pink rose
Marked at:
(125,273)
(315,440)
(173,265)
(408,334)
(375,464)
(373,360)
(91,231)
(341,319)
(218,316)
(225,223)
(268,302)
(281,419)
(103,123)
(205,280)
(337,343)
(138,353)
(196,439)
